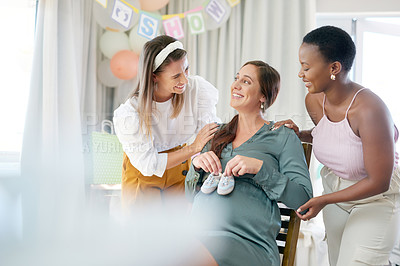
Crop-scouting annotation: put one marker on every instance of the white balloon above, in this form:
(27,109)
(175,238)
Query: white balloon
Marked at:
(103,16)
(209,21)
(105,75)
(112,42)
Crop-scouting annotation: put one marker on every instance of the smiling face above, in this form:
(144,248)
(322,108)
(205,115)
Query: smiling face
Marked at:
(246,95)
(314,71)
(172,80)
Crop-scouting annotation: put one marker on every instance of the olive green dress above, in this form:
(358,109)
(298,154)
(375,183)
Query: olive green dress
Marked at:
(241,228)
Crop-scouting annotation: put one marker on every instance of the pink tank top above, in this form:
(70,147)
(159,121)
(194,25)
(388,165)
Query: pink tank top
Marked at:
(336,146)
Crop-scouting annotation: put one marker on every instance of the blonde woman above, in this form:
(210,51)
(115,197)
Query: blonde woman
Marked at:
(165,110)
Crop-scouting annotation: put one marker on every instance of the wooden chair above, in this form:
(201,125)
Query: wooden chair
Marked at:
(290,224)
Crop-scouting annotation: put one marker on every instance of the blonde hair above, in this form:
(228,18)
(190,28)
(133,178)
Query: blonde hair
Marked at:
(146,86)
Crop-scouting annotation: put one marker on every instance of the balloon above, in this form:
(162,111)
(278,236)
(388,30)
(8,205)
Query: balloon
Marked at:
(105,75)
(103,16)
(209,21)
(112,42)
(124,64)
(153,5)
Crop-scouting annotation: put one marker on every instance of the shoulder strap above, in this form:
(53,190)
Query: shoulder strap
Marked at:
(354,97)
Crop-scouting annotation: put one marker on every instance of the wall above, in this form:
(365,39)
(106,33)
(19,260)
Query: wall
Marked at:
(363,6)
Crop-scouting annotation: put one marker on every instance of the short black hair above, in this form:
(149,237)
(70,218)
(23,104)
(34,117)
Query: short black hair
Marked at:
(334,44)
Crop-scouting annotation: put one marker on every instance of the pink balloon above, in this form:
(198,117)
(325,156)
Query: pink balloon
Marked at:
(124,64)
(152,5)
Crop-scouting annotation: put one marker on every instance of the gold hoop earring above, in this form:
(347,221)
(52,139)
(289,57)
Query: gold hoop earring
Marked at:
(333,77)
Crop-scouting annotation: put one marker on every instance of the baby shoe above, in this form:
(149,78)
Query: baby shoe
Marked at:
(211,183)
(226,185)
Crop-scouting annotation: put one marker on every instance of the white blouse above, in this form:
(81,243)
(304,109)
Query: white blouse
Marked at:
(200,98)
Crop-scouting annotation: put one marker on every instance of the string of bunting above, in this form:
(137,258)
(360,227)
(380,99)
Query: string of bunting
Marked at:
(209,14)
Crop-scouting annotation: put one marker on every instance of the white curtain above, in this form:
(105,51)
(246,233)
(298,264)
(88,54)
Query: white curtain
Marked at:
(66,102)
(268,30)
(62,93)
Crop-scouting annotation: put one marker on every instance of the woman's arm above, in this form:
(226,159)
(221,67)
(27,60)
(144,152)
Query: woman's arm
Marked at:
(138,147)
(314,108)
(194,176)
(290,183)
(177,157)
(304,135)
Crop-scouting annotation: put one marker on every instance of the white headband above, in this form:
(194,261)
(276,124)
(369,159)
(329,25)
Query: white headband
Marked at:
(165,52)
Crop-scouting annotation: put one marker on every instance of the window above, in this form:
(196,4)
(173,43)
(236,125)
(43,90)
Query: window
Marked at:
(380,38)
(377,40)
(18,20)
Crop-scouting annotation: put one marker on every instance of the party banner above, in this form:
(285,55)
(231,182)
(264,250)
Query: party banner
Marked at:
(215,10)
(102,2)
(203,15)
(173,28)
(196,23)
(122,13)
(233,3)
(148,25)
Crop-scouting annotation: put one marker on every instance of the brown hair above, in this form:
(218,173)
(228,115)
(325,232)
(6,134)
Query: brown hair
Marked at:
(146,86)
(269,80)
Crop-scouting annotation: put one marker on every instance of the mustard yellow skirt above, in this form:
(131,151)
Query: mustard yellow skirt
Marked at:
(139,190)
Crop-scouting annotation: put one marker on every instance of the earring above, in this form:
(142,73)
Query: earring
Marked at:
(262,105)
(333,77)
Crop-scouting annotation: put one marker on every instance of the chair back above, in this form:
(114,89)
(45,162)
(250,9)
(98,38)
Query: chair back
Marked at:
(290,224)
